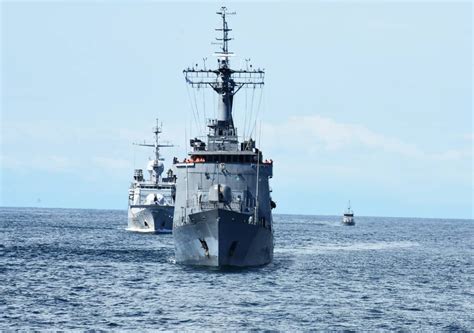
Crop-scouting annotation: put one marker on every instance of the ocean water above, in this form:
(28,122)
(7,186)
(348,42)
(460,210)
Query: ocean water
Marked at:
(80,269)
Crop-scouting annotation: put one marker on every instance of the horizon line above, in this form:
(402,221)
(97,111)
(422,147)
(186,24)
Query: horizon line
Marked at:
(293,214)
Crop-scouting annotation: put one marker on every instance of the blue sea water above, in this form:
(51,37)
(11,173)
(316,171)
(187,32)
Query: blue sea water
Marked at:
(80,269)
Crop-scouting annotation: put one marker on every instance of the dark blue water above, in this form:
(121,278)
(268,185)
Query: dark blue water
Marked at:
(80,269)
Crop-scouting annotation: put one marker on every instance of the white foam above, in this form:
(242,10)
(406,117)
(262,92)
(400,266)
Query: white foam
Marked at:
(172,260)
(150,231)
(319,248)
(140,230)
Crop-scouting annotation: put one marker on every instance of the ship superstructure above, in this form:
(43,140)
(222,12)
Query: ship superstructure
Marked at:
(151,201)
(223,214)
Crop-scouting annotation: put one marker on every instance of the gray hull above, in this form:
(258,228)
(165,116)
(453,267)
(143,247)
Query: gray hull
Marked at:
(150,218)
(221,237)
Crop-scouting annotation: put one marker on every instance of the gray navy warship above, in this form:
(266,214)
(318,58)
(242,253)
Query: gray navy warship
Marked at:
(223,208)
(151,201)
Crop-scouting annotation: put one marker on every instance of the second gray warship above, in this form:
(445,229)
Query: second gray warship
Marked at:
(223,208)
(151,202)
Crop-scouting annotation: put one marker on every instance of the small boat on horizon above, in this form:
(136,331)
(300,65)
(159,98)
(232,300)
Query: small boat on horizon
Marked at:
(348,217)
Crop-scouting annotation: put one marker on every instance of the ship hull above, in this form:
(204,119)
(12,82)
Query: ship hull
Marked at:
(348,221)
(150,218)
(220,237)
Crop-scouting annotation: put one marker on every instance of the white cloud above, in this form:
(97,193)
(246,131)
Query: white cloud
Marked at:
(470,137)
(66,164)
(310,135)
(109,163)
(321,133)
(54,163)
(451,155)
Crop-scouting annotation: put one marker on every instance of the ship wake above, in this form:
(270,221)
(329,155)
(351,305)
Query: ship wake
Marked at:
(331,247)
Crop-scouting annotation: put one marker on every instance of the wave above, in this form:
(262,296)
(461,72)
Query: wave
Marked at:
(317,248)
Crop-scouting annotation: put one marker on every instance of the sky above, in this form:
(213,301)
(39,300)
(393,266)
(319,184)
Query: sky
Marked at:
(363,101)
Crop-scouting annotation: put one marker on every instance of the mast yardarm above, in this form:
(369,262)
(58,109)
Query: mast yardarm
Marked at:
(225,81)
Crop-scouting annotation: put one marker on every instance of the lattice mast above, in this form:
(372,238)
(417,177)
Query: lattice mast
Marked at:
(226,82)
(157,130)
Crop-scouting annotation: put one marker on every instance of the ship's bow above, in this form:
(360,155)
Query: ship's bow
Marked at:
(221,237)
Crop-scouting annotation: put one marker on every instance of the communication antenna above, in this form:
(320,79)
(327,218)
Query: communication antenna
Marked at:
(258,175)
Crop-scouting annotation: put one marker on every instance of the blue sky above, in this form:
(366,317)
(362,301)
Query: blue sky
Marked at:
(368,101)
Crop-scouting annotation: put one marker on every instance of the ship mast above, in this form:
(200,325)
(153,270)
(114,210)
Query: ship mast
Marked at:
(157,130)
(226,82)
